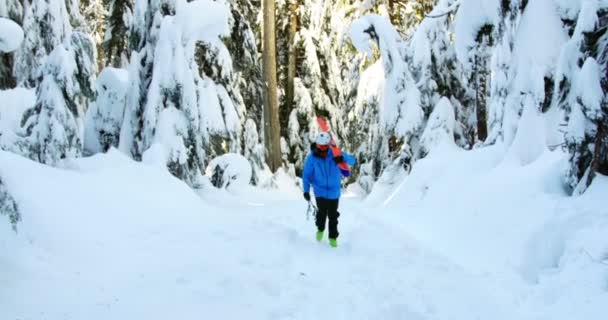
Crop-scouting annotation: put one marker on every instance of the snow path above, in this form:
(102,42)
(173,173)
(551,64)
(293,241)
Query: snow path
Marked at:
(109,238)
(255,262)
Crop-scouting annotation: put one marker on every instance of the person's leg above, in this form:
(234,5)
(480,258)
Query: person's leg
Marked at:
(333,214)
(321,214)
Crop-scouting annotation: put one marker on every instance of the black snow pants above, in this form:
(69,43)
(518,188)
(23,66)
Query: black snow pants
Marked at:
(328,210)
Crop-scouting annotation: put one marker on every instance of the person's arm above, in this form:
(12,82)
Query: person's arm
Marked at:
(307,174)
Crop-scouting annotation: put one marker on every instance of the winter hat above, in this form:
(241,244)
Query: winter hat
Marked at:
(323,139)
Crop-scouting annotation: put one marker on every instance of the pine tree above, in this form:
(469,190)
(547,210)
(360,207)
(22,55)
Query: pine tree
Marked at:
(116,42)
(144,34)
(234,66)
(436,69)
(502,68)
(8,206)
(582,94)
(475,57)
(13,10)
(401,115)
(254,152)
(54,125)
(170,104)
(104,118)
(439,130)
(325,78)
(95,12)
(46,25)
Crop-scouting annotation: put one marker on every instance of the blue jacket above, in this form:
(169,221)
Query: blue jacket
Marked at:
(324,175)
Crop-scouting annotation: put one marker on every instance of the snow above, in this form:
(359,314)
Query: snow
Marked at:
(488,233)
(439,130)
(234,171)
(576,124)
(530,140)
(401,111)
(202,19)
(514,221)
(11,35)
(362,40)
(14,103)
(110,238)
(471,16)
(370,89)
(535,57)
(589,89)
(104,118)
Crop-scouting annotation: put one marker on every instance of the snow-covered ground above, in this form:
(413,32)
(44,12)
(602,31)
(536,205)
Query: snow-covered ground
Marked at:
(466,236)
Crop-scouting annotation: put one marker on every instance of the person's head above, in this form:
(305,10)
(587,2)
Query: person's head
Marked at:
(322,144)
(322,140)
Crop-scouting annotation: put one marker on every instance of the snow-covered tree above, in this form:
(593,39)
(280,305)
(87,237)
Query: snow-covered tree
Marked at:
(234,66)
(225,119)
(436,69)
(46,25)
(8,206)
(475,33)
(502,68)
(326,75)
(168,102)
(104,118)
(582,95)
(11,36)
(54,125)
(400,115)
(94,13)
(439,129)
(116,41)
(230,170)
(254,152)
(11,10)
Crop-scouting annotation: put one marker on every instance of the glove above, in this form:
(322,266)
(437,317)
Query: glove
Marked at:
(338,159)
(307,196)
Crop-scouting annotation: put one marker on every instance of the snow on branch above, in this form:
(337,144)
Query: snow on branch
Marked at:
(452,8)
(401,113)
(11,35)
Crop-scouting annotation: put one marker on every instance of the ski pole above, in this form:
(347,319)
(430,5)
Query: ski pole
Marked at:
(311,208)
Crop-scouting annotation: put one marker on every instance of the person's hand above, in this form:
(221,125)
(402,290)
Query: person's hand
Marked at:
(307,196)
(338,159)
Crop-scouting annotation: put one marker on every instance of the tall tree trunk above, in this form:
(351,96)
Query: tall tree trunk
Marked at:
(599,164)
(272,132)
(481,76)
(7,80)
(292,58)
(481,85)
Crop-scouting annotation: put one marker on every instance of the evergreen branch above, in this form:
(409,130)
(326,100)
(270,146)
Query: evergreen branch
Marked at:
(450,10)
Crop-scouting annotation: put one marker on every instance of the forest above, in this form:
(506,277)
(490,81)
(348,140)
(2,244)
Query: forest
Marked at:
(213,91)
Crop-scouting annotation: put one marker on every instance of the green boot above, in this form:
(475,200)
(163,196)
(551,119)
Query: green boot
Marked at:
(319,235)
(333,242)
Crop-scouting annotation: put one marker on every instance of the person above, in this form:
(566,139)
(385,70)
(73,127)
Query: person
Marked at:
(322,172)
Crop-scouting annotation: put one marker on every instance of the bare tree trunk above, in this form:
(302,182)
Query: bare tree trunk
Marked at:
(480,98)
(599,164)
(7,80)
(481,74)
(292,58)
(272,132)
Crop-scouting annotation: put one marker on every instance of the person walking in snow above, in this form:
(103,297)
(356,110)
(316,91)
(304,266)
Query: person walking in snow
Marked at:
(321,169)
